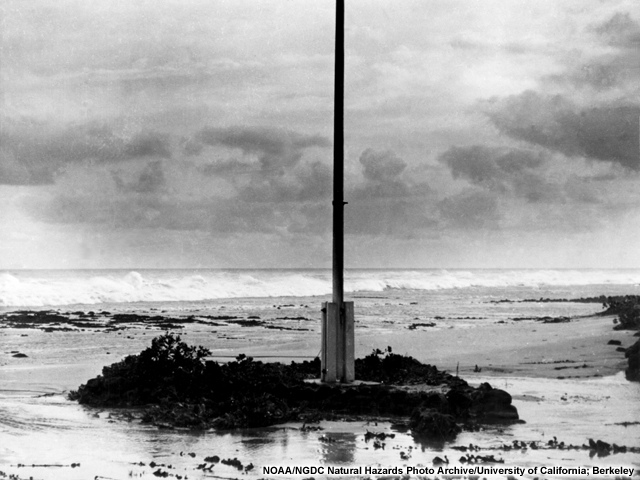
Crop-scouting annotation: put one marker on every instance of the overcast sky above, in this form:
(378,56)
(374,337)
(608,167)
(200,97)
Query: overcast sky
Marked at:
(192,133)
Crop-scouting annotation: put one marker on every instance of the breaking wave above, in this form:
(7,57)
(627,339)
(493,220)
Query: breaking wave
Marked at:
(69,287)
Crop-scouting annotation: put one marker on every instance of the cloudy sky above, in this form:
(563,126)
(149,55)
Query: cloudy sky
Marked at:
(198,133)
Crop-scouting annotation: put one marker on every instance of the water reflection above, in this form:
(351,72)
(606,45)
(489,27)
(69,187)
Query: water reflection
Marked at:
(115,449)
(255,440)
(429,444)
(337,448)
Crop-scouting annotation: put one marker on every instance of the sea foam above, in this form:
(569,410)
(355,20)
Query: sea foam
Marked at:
(67,287)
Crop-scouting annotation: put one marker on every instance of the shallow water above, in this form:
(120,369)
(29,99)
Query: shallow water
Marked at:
(49,430)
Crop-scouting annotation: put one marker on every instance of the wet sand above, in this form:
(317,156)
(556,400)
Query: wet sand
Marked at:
(521,348)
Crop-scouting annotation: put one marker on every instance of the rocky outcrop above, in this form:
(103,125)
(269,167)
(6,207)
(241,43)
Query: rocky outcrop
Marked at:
(441,416)
(628,310)
(430,423)
(633,355)
(492,404)
(179,388)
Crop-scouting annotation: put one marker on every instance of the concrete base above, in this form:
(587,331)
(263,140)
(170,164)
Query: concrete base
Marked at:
(337,357)
(355,383)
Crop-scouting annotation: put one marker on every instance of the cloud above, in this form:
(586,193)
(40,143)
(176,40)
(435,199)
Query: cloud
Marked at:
(272,167)
(620,31)
(150,180)
(384,200)
(233,196)
(310,182)
(229,168)
(35,154)
(608,133)
(581,190)
(381,166)
(20,172)
(610,64)
(276,149)
(470,209)
(505,170)
(476,164)
(146,145)
(385,178)
(388,202)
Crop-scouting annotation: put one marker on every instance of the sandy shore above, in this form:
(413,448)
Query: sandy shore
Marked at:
(524,349)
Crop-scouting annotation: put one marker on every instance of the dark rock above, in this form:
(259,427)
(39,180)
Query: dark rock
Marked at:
(459,401)
(555,319)
(438,402)
(233,462)
(413,326)
(492,404)
(19,355)
(433,424)
(378,435)
(614,342)
(633,355)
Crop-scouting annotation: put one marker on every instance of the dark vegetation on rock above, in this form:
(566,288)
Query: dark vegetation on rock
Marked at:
(633,370)
(628,310)
(179,388)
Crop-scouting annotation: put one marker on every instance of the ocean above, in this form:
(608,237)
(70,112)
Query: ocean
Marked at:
(48,288)
(45,436)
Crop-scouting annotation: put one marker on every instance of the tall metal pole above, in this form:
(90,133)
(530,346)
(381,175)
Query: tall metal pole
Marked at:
(338,162)
(338,346)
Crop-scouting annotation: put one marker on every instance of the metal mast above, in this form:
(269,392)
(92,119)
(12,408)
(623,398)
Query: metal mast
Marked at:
(338,162)
(337,358)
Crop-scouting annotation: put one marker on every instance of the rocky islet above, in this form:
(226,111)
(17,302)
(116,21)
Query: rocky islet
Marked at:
(179,387)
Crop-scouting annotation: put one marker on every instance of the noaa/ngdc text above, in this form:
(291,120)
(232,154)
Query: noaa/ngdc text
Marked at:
(471,470)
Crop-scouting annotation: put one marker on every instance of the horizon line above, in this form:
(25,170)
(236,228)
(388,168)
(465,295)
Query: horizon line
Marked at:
(328,268)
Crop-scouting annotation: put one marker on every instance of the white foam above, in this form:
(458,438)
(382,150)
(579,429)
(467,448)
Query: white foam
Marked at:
(53,288)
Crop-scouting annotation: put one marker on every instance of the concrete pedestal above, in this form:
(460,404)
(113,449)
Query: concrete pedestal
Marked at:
(337,357)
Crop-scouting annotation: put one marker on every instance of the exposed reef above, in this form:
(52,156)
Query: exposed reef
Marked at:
(54,321)
(602,299)
(179,387)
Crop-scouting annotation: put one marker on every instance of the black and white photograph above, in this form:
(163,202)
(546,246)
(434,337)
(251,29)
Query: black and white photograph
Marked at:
(318,239)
